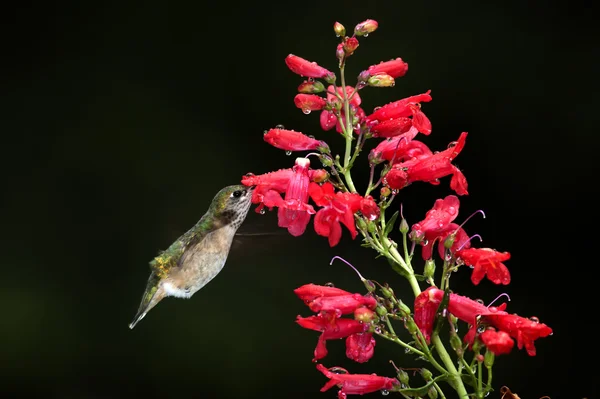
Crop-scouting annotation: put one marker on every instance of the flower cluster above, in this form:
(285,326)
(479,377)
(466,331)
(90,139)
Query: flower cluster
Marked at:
(397,159)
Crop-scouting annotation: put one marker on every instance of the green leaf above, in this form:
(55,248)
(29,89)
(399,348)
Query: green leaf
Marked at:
(390,225)
(420,277)
(422,391)
(439,321)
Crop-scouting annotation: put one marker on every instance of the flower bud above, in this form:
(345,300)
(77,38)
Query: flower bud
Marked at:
(350,45)
(449,241)
(326,161)
(404,309)
(387,292)
(369,285)
(455,343)
(381,310)
(429,268)
(488,359)
(427,375)
(363,77)
(381,80)
(385,191)
(403,226)
(389,305)
(319,175)
(403,377)
(339,29)
(307,87)
(371,227)
(340,53)
(362,225)
(479,358)
(365,315)
(411,326)
(365,27)
(432,393)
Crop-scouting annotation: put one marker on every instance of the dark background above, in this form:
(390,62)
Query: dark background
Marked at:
(122,121)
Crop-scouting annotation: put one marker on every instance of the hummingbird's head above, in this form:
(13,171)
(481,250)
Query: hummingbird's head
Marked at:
(232,203)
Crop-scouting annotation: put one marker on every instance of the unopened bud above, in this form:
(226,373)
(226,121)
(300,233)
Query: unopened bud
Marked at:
(365,315)
(365,27)
(411,326)
(488,359)
(381,310)
(326,161)
(320,175)
(307,87)
(385,192)
(427,375)
(403,377)
(453,319)
(404,309)
(339,29)
(387,292)
(340,53)
(479,358)
(371,227)
(429,268)
(432,393)
(415,237)
(350,45)
(455,343)
(330,78)
(363,77)
(381,80)
(362,225)
(404,226)
(449,241)
(389,305)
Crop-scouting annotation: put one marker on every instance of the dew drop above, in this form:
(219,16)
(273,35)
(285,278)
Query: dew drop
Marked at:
(249,174)
(479,301)
(378,330)
(329,285)
(311,79)
(384,392)
(265,132)
(480,329)
(376,109)
(534,319)
(425,243)
(451,210)
(288,153)
(306,111)
(487,394)
(262,211)
(444,312)
(280,127)
(365,35)
(406,350)
(310,136)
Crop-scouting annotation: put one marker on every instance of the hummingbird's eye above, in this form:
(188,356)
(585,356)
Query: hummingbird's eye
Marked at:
(237,193)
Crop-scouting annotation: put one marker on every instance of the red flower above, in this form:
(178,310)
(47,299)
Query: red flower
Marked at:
(426,305)
(499,342)
(350,93)
(342,304)
(365,27)
(392,127)
(307,69)
(268,187)
(356,384)
(337,208)
(524,330)
(310,292)
(395,68)
(398,108)
(399,148)
(294,211)
(290,140)
(309,102)
(486,261)
(350,45)
(327,120)
(430,168)
(419,120)
(369,208)
(438,218)
(461,240)
(360,347)
(330,328)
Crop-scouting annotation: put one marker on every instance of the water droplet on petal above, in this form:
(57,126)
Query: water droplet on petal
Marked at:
(365,35)
(479,301)
(480,329)
(265,132)
(306,111)
(280,127)
(534,319)
(312,79)
(263,211)
(384,392)
(451,210)
(288,153)
(329,285)
(310,136)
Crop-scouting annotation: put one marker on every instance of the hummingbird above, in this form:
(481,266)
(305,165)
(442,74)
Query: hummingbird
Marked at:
(199,255)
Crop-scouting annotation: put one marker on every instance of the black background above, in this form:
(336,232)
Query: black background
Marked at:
(123,120)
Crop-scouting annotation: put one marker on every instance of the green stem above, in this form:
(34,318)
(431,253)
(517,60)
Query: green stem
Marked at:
(489,377)
(439,390)
(458,384)
(480,380)
(347,134)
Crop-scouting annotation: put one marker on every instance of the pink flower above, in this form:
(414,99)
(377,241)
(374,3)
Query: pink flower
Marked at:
(365,27)
(307,69)
(337,208)
(327,120)
(290,140)
(360,347)
(356,384)
(395,68)
(330,328)
(398,108)
(294,212)
(309,102)
(486,261)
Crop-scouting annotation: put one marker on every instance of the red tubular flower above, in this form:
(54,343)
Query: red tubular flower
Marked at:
(365,27)
(309,102)
(330,328)
(350,45)
(294,211)
(438,218)
(356,384)
(398,108)
(419,120)
(461,240)
(327,120)
(290,140)
(369,208)
(499,342)
(430,169)
(426,305)
(342,304)
(467,310)
(310,292)
(524,330)
(399,148)
(308,69)
(395,68)
(268,187)
(486,261)
(350,93)
(337,208)
(392,127)
(360,347)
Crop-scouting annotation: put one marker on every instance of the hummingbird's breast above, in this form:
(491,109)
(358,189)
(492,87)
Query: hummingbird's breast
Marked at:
(200,263)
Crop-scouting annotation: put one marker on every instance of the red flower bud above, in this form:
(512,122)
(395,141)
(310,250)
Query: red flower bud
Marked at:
(308,87)
(309,102)
(291,140)
(310,292)
(350,45)
(308,69)
(365,27)
(360,347)
(365,315)
(381,80)
(339,29)
(395,68)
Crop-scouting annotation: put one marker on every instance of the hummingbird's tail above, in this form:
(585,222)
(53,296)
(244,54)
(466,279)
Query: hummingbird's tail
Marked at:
(151,297)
